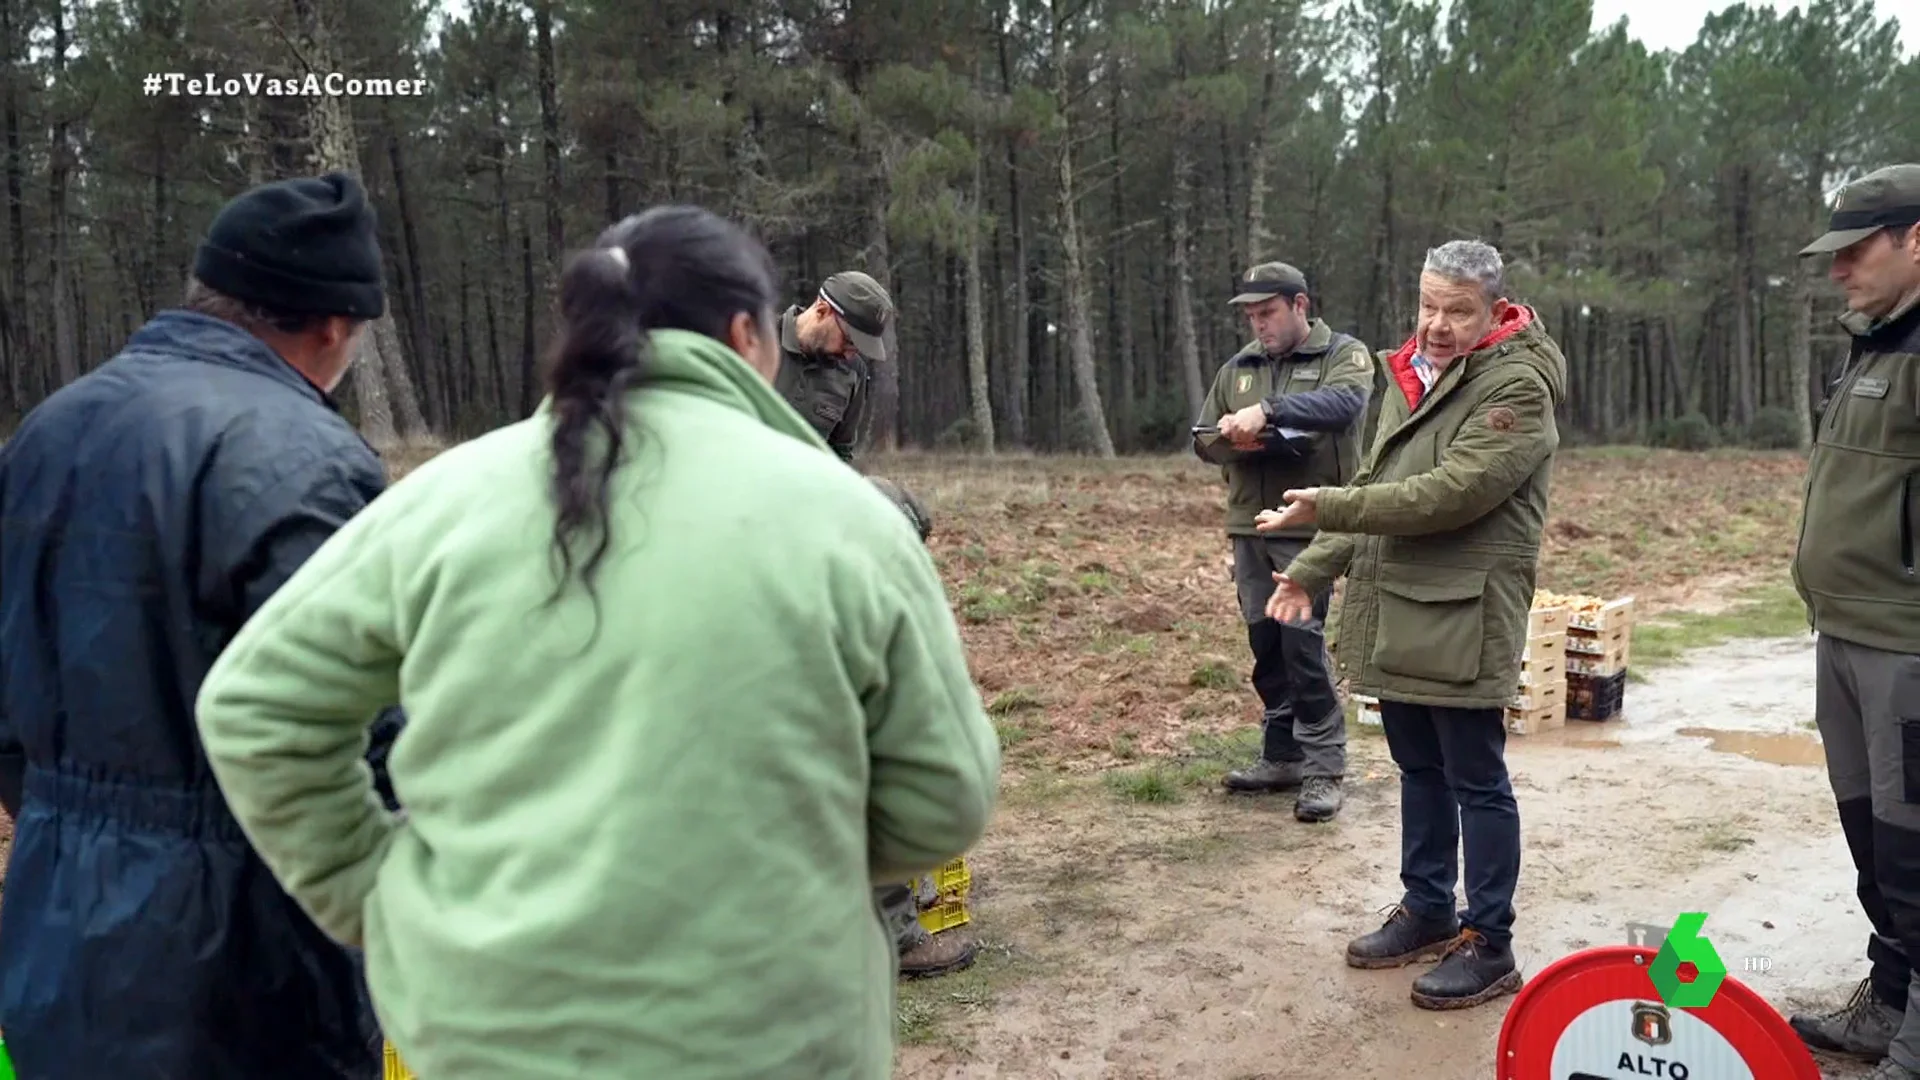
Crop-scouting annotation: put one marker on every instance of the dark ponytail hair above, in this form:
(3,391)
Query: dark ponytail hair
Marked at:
(670,268)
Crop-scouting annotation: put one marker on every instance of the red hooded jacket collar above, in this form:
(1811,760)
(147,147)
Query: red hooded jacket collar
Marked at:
(1518,318)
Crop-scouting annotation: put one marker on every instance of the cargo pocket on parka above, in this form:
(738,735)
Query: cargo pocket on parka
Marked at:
(1432,622)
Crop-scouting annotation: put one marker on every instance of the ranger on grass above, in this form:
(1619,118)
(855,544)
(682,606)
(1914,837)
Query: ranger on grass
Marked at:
(825,350)
(1299,375)
(1855,567)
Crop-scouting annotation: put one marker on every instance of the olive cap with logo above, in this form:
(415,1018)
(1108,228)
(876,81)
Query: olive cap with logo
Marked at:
(1882,199)
(1266,281)
(864,308)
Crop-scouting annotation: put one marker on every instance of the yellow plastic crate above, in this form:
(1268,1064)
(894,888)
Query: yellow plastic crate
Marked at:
(952,879)
(945,915)
(396,1070)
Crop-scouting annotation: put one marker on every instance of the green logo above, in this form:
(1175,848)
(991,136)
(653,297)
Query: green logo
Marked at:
(1686,945)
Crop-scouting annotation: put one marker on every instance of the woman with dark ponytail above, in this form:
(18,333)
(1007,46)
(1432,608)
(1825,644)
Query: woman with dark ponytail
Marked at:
(682,689)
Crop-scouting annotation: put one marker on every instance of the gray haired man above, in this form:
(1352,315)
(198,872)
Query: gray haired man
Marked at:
(1438,538)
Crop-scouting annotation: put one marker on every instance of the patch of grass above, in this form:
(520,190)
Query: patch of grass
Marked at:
(1097,581)
(1008,702)
(1154,784)
(986,603)
(1213,675)
(1012,733)
(929,1009)
(1770,611)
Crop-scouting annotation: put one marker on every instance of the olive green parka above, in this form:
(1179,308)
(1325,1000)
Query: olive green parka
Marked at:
(1439,534)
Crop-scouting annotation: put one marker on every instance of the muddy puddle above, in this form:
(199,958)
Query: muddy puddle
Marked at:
(1774,748)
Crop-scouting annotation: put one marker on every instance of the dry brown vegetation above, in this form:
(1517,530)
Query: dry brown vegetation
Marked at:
(1098,610)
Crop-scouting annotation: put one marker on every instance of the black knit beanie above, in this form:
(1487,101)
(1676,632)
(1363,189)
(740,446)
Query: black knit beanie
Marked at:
(302,246)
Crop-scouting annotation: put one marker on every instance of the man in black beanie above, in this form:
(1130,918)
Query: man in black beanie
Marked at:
(146,511)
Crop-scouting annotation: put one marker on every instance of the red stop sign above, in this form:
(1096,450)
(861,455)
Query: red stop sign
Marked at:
(1595,1015)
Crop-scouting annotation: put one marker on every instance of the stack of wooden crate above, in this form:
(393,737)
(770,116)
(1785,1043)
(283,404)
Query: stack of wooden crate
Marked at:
(1599,646)
(1540,702)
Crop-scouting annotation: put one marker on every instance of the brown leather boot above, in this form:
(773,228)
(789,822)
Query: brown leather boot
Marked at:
(940,954)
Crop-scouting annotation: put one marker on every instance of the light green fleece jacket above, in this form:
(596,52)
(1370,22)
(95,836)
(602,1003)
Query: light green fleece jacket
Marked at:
(639,841)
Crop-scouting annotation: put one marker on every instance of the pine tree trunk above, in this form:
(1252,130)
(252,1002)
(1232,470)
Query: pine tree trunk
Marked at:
(382,385)
(1185,337)
(65,350)
(549,130)
(1078,296)
(978,385)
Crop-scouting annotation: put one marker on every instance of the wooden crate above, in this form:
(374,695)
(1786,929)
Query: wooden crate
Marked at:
(1613,615)
(1553,644)
(1534,721)
(1610,662)
(1597,642)
(1540,695)
(1542,667)
(1545,621)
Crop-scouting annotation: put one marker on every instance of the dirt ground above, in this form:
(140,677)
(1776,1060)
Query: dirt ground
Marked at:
(1202,938)
(1139,923)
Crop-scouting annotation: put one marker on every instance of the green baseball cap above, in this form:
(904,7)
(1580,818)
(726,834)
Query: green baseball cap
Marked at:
(1266,281)
(864,308)
(1884,198)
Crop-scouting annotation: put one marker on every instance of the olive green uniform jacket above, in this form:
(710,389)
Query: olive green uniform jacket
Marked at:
(1440,533)
(1855,564)
(828,392)
(1321,387)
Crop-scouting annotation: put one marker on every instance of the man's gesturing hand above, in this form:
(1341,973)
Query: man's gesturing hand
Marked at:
(1289,603)
(1300,510)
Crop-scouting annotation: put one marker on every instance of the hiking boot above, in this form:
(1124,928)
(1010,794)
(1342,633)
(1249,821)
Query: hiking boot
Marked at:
(1473,971)
(1864,1026)
(1266,776)
(1319,799)
(1402,940)
(940,954)
(1888,1069)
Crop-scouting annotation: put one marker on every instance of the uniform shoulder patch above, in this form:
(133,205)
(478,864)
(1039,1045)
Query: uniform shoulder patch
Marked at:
(1362,360)
(1501,419)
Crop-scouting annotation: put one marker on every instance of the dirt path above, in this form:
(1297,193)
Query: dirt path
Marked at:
(1203,938)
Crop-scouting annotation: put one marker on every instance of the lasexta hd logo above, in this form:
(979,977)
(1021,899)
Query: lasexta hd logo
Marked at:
(1686,945)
